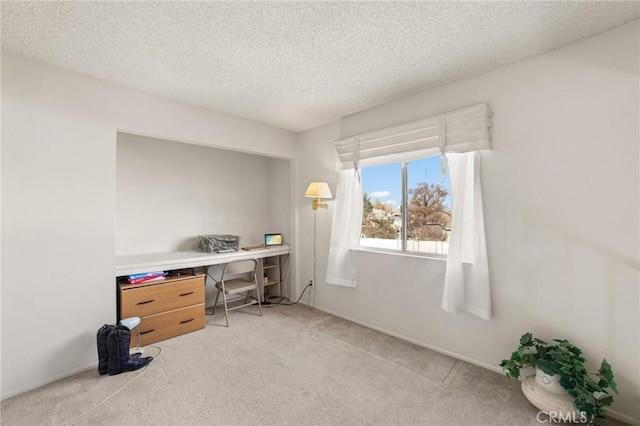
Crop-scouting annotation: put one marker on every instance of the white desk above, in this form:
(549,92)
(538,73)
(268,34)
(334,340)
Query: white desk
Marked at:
(150,262)
(180,318)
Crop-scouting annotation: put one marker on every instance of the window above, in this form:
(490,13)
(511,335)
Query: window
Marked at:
(406,207)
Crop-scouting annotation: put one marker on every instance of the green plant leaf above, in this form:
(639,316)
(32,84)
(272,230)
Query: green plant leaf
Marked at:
(605,369)
(605,401)
(526,339)
(562,357)
(603,384)
(599,395)
(593,384)
(606,374)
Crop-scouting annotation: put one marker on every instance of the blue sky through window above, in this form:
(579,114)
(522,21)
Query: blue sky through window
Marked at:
(384,182)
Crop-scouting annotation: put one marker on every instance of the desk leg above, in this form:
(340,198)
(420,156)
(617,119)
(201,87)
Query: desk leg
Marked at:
(261,279)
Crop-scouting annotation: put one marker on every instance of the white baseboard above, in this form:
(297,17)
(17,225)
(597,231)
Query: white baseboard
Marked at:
(610,413)
(415,342)
(622,417)
(52,380)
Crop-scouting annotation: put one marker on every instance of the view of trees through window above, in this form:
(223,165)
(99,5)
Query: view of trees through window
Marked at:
(428,207)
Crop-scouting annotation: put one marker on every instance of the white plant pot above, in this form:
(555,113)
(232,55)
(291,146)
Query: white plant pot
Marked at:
(546,393)
(548,382)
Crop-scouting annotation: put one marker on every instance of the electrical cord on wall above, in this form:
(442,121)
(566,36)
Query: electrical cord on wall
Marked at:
(294,303)
(116,392)
(313,291)
(311,298)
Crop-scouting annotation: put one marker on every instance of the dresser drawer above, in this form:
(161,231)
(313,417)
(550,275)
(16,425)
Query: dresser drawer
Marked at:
(162,326)
(153,299)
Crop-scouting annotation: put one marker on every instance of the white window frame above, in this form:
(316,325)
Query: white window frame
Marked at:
(404,212)
(362,144)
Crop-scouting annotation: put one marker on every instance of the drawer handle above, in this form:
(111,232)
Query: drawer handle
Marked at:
(145,302)
(148,331)
(186,294)
(186,321)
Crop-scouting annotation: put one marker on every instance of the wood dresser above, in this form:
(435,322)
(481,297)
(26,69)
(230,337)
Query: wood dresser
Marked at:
(167,308)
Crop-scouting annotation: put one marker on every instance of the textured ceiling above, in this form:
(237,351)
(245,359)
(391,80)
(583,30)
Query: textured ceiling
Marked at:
(295,65)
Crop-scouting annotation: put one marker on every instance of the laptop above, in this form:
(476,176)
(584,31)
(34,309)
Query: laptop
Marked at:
(272,240)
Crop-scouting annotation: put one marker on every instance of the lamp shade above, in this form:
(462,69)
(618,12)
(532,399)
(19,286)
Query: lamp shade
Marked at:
(318,190)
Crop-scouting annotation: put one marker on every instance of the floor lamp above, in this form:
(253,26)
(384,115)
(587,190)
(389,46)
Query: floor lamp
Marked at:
(317,191)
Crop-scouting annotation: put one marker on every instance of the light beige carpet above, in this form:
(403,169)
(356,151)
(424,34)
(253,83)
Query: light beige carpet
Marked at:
(292,366)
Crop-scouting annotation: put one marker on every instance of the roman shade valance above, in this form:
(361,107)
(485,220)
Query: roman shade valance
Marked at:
(464,130)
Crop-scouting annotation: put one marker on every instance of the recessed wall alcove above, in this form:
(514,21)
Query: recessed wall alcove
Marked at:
(169,192)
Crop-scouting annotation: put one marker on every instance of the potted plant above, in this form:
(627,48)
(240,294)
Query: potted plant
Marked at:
(591,391)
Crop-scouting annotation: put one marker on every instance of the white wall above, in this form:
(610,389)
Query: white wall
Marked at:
(59,206)
(58,247)
(561,196)
(167,193)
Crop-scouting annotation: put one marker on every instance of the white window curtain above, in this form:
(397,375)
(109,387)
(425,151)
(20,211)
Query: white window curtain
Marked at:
(462,131)
(466,286)
(342,267)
